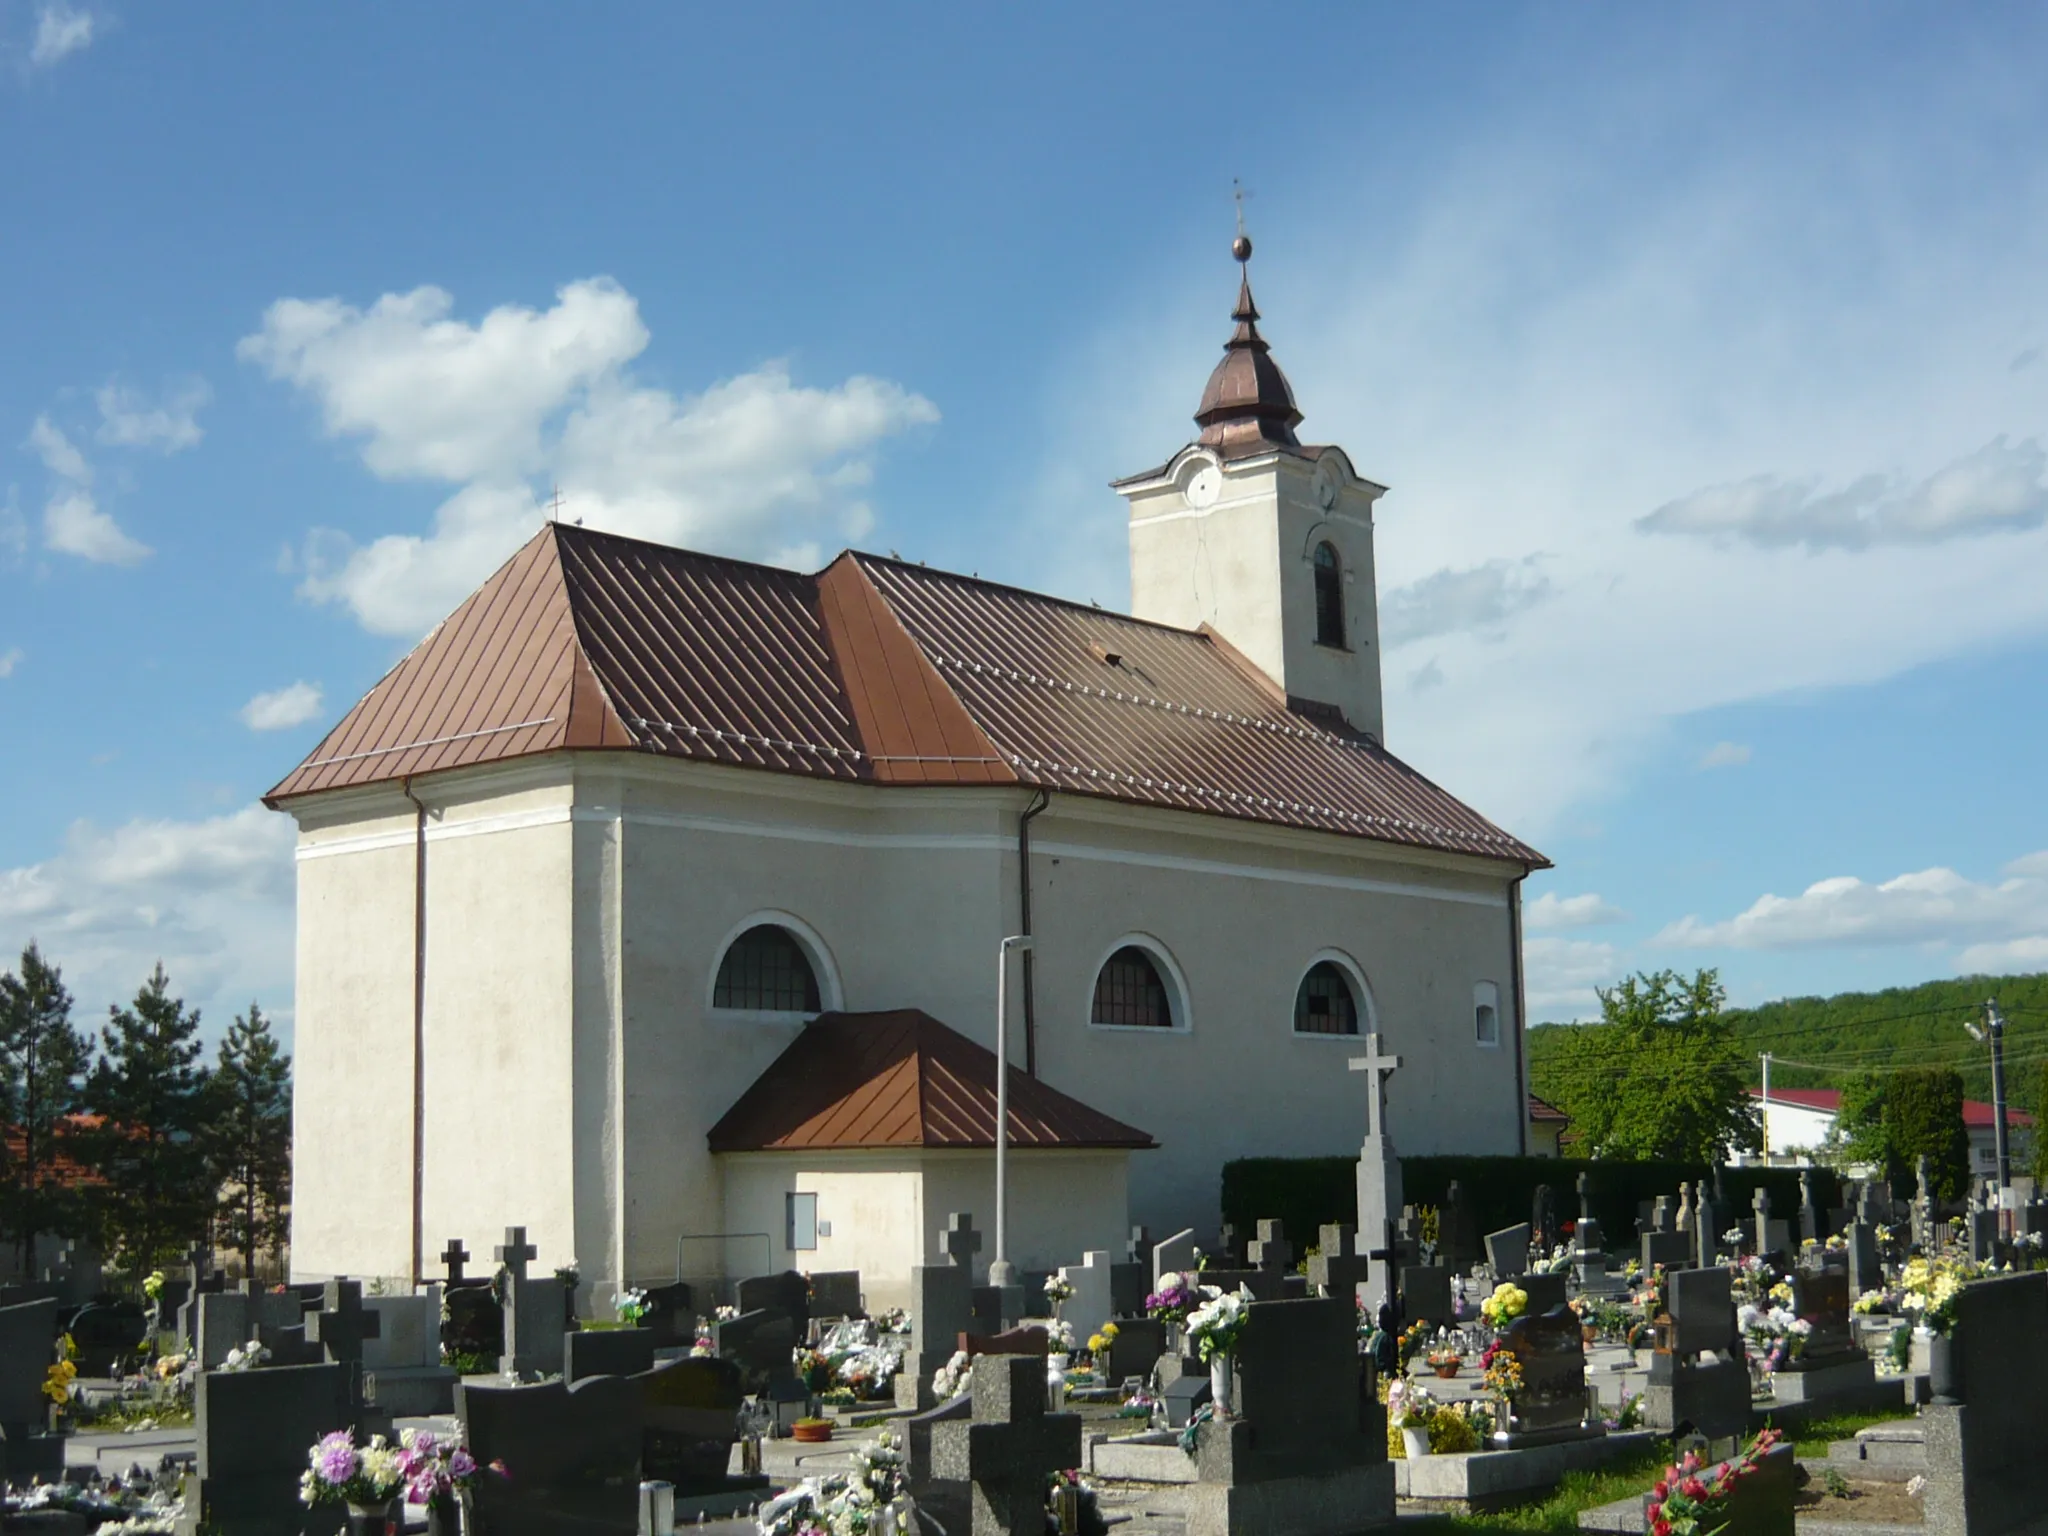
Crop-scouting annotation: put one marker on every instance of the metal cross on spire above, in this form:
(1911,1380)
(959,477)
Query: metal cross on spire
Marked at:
(1237,195)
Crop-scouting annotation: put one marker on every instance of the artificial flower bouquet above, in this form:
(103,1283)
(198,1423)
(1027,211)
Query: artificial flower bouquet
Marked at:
(436,1466)
(1215,1326)
(341,1472)
(1508,1302)
(1176,1297)
(1500,1371)
(1929,1288)
(631,1306)
(1691,1498)
(1058,1289)
(950,1380)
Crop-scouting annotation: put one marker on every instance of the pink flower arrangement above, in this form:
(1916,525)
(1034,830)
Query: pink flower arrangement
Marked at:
(432,1466)
(1175,1298)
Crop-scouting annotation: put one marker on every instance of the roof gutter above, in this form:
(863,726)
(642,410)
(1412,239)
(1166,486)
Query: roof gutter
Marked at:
(1038,803)
(419,1026)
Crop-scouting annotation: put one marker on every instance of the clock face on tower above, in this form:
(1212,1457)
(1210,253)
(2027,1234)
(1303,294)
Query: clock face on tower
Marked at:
(1203,486)
(1326,489)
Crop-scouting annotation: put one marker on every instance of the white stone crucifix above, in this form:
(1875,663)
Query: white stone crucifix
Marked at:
(1381,1067)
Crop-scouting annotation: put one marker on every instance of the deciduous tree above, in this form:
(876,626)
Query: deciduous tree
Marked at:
(1923,1116)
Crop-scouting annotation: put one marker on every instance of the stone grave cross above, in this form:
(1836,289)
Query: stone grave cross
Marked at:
(960,1240)
(516,1252)
(1760,1203)
(1013,1445)
(1270,1251)
(340,1326)
(1338,1266)
(1585,1197)
(455,1256)
(1381,1067)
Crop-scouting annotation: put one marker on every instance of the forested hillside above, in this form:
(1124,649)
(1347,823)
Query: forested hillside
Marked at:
(1817,1042)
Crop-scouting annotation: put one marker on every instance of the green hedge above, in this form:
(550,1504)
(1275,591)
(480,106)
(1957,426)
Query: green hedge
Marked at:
(1304,1193)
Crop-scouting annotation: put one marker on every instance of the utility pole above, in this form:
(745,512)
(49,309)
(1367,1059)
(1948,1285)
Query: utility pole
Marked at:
(1995,1027)
(1766,1116)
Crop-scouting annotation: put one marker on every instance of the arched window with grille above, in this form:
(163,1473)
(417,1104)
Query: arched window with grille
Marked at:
(766,970)
(1325,1004)
(1132,990)
(1329,596)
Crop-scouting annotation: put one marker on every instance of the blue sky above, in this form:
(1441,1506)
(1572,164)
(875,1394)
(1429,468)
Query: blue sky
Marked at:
(1706,355)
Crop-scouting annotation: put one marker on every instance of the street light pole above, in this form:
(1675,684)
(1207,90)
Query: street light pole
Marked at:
(999,1272)
(1995,1027)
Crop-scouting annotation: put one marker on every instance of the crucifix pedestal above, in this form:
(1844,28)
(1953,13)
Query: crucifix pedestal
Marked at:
(1379,1175)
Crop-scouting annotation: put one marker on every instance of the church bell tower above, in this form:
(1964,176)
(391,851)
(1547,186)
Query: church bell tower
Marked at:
(1263,539)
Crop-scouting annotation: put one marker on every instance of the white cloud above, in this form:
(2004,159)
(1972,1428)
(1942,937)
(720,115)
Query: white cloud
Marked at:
(211,898)
(59,454)
(60,32)
(743,468)
(1929,906)
(128,419)
(1562,974)
(1480,598)
(2005,957)
(9,660)
(1725,754)
(73,524)
(1996,489)
(294,704)
(1550,912)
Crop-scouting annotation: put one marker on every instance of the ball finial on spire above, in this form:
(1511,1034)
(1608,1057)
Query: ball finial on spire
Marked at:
(1241,247)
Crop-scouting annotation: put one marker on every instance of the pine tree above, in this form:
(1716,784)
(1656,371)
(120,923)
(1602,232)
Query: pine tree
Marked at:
(43,1062)
(250,1140)
(157,1191)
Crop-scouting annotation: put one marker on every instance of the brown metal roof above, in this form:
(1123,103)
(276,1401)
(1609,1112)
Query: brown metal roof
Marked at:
(871,671)
(902,1079)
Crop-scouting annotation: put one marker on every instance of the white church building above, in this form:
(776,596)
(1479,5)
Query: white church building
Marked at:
(653,902)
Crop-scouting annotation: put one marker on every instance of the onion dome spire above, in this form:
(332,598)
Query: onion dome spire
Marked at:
(1249,402)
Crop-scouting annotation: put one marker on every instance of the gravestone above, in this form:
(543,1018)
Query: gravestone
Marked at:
(28,1337)
(473,1325)
(227,1320)
(574,1452)
(1830,1364)
(607,1352)
(1984,1236)
(1034,1341)
(1271,1255)
(1340,1265)
(836,1293)
(1507,1251)
(453,1258)
(1699,1374)
(1866,1267)
(1686,1210)
(986,1310)
(761,1345)
(1089,1307)
(941,1309)
(1305,1452)
(340,1328)
(1173,1256)
(404,1358)
(254,1429)
(1543,1231)
(535,1312)
(1379,1174)
(1130,1280)
(1984,1451)
(1426,1295)
(1706,1231)
(788,1293)
(1137,1347)
(1672,1250)
(1007,1446)
(1812,1225)
(105,1333)
(1773,1238)
(670,1315)
(689,1412)
(1546,1293)
(1457,1231)
(1553,1403)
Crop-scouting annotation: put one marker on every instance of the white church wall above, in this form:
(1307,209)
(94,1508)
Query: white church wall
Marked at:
(870,1200)
(351,1111)
(1061,1203)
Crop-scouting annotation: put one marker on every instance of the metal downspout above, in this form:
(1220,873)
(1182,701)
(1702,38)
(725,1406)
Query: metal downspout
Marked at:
(419,1027)
(1521,1017)
(1038,803)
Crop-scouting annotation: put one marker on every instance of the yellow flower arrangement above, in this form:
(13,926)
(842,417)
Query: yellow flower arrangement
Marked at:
(1508,1302)
(57,1384)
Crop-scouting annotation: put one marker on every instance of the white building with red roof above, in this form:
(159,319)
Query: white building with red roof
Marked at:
(1798,1121)
(576,877)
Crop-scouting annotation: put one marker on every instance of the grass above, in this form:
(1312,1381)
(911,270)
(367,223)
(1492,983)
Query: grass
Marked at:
(1558,1512)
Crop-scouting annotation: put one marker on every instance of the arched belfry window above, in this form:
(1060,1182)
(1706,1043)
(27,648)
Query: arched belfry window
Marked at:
(1130,991)
(766,970)
(1325,1004)
(1329,596)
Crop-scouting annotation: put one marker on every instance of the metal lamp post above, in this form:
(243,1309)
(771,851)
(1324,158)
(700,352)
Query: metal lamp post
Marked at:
(999,1272)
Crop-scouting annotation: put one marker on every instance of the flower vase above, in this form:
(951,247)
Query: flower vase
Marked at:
(444,1515)
(1415,1442)
(372,1519)
(1944,1369)
(1220,1384)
